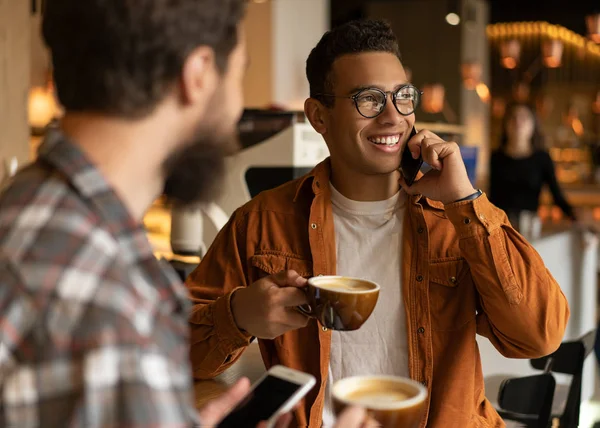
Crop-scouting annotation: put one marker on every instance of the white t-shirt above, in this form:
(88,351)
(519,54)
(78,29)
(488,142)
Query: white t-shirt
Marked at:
(368,245)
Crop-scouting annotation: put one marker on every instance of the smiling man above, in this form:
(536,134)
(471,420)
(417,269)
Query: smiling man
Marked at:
(449,264)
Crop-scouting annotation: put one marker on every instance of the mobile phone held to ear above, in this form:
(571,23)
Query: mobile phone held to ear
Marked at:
(273,395)
(409,167)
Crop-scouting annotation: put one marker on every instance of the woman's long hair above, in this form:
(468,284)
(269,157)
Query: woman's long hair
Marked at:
(537,138)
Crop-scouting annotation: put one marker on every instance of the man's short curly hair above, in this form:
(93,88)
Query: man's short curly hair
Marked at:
(350,38)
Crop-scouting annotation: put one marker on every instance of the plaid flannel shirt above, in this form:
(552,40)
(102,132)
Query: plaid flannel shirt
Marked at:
(93,328)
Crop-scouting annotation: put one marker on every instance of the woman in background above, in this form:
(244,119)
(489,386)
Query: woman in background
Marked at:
(521,167)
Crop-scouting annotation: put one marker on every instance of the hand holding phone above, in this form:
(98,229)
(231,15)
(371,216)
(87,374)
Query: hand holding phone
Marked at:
(447,181)
(410,167)
(275,394)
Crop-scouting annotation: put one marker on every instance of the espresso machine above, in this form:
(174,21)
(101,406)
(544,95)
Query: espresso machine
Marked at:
(277,146)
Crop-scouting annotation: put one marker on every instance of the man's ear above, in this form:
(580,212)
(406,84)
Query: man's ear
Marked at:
(317,115)
(199,76)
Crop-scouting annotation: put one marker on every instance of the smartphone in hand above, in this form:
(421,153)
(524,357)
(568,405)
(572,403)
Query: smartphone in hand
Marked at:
(409,167)
(272,396)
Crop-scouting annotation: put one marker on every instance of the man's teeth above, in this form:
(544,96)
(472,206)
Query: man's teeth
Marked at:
(388,141)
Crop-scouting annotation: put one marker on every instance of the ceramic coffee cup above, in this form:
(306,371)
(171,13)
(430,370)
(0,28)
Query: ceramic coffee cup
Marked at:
(392,401)
(340,302)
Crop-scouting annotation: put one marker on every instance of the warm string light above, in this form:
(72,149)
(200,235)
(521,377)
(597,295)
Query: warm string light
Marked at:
(504,31)
(554,40)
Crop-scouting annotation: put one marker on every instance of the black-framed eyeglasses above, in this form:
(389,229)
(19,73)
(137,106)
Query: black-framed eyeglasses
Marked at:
(371,102)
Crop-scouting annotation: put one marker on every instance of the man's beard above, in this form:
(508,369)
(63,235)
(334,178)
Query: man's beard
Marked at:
(194,174)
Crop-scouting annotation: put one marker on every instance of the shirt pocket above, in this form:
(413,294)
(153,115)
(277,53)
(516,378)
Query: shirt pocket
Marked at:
(266,264)
(452,298)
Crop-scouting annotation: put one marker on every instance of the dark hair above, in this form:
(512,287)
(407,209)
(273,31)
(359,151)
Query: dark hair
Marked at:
(350,38)
(122,57)
(537,138)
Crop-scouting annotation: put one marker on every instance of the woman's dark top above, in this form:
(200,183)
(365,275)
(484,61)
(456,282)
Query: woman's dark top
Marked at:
(516,183)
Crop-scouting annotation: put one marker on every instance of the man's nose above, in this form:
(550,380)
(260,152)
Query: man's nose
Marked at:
(390,115)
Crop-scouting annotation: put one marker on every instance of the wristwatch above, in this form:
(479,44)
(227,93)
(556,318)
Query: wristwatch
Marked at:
(472,196)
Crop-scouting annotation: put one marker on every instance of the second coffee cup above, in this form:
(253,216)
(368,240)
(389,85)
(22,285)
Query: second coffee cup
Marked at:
(391,401)
(340,302)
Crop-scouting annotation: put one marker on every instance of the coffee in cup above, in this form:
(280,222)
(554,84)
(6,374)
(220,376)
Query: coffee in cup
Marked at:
(340,302)
(392,401)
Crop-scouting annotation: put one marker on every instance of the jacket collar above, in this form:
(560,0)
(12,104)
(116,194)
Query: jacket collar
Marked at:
(318,177)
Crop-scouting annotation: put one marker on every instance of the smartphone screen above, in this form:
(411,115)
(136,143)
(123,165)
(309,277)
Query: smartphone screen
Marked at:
(261,403)
(410,167)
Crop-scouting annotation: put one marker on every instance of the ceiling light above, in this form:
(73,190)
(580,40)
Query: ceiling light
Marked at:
(452,18)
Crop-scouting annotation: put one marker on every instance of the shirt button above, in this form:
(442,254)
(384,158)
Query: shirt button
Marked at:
(313,225)
(419,278)
(420,230)
(467,221)
(424,383)
(324,328)
(320,274)
(421,330)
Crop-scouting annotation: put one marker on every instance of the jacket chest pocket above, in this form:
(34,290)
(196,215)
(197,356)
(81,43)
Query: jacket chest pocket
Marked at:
(262,265)
(452,296)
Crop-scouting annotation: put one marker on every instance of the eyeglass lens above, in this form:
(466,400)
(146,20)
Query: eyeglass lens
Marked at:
(371,102)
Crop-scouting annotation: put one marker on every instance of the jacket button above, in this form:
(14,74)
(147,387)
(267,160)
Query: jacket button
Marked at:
(421,330)
(420,230)
(313,225)
(324,328)
(453,279)
(419,278)
(467,220)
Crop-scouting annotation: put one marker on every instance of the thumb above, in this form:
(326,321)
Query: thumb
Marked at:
(289,278)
